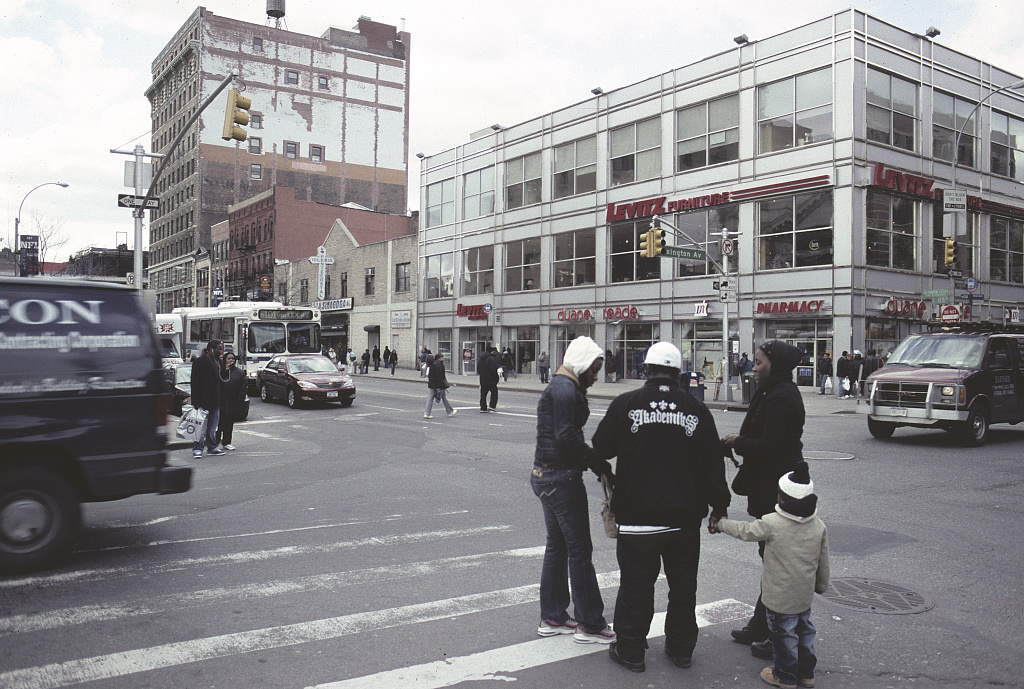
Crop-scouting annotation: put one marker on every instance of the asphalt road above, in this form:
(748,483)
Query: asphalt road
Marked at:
(369,547)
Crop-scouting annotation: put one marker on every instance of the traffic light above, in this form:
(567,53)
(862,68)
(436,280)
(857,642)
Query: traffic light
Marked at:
(645,244)
(235,114)
(950,252)
(656,240)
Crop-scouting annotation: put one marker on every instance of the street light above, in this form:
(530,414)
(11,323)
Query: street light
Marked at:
(17,223)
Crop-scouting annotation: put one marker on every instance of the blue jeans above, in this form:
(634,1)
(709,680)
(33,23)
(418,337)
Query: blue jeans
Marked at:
(792,638)
(568,553)
(210,440)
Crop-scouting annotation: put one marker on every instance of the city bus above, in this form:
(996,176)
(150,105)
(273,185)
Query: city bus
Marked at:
(253,331)
(169,336)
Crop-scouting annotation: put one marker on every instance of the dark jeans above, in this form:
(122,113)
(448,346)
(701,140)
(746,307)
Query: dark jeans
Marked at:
(544,378)
(225,428)
(792,639)
(640,560)
(484,391)
(568,553)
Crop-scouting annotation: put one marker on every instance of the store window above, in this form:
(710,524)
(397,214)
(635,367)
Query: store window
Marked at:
(440,203)
(636,151)
(630,342)
(439,276)
(708,134)
(563,335)
(891,110)
(1007,146)
(627,265)
(522,265)
(1006,258)
(966,232)
(575,168)
(478,193)
(523,181)
(795,231)
(524,343)
(403,277)
(478,270)
(701,347)
(949,115)
(890,230)
(575,259)
(795,112)
(700,226)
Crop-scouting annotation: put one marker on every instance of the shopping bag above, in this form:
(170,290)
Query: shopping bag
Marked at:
(192,425)
(828,384)
(846,384)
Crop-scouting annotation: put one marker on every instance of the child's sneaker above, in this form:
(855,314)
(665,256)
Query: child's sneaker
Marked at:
(551,628)
(605,636)
(768,676)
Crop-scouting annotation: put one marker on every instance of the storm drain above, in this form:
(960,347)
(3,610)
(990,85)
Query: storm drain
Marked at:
(875,596)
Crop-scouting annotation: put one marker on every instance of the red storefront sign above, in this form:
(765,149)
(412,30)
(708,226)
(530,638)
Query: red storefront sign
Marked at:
(575,315)
(770,307)
(475,312)
(906,307)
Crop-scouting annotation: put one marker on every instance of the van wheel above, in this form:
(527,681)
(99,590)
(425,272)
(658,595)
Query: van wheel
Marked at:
(39,518)
(293,400)
(974,431)
(264,395)
(880,429)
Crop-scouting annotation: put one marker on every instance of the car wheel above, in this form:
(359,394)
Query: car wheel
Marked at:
(39,518)
(880,429)
(293,400)
(974,431)
(264,393)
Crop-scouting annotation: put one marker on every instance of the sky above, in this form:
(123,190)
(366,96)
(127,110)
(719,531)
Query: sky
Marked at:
(75,74)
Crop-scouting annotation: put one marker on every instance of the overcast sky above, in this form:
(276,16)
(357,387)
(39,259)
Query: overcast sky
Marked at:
(75,73)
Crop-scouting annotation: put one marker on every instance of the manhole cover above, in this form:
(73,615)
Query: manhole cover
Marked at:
(875,596)
(825,454)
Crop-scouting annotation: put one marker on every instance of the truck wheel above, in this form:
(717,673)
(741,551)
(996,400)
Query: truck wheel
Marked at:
(880,429)
(39,518)
(974,431)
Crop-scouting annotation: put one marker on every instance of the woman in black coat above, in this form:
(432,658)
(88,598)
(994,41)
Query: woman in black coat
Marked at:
(769,442)
(232,395)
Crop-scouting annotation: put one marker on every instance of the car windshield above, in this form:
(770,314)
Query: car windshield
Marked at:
(940,351)
(319,364)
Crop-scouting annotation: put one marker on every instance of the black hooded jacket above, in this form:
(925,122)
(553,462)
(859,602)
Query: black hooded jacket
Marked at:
(769,439)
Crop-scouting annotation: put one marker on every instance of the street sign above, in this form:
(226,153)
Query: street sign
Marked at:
(935,293)
(684,252)
(727,295)
(956,273)
(971,284)
(132,201)
(954,200)
(949,313)
(728,246)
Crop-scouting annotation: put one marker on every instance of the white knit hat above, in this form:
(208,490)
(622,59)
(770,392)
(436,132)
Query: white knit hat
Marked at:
(797,484)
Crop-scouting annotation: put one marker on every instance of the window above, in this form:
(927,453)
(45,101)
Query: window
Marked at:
(478,270)
(890,231)
(291,76)
(522,181)
(636,151)
(478,193)
(257,44)
(255,121)
(255,145)
(343,285)
(1007,254)
(795,111)
(256,171)
(327,286)
(575,168)
(891,110)
(323,83)
(369,282)
(439,276)
(795,231)
(948,116)
(627,263)
(291,149)
(964,240)
(440,203)
(403,277)
(701,226)
(316,153)
(1007,146)
(708,134)
(522,265)
(282,292)
(304,291)
(575,259)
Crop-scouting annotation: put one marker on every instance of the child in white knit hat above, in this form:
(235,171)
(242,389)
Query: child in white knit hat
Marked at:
(795,568)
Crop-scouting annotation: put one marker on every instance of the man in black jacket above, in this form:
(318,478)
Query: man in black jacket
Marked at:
(670,468)
(488,369)
(206,395)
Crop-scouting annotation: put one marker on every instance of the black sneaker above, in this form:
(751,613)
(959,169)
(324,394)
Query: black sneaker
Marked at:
(630,665)
(215,451)
(680,660)
(749,635)
(762,650)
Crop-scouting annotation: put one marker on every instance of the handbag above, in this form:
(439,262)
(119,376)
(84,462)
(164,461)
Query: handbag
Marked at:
(740,482)
(611,529)
(192,425)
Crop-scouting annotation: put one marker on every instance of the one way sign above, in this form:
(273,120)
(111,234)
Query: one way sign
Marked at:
(132,201)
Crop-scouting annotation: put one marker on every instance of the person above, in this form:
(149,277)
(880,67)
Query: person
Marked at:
(393,360)
(856,371)
(796,566)
(366,361)
(332,355)
(770,443)
(824,371)
(670,469)
(350,357)
(385,357)
(744,365)
(232,396)
(206,395)
(506,363)
(872,362)
(438,384)
(376,358)
(488,370)
(424,365)
(544,366)
(559,462)
(843,373)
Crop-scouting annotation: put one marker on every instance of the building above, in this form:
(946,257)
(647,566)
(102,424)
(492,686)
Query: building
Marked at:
(329,117)
(822,152)
(104,262)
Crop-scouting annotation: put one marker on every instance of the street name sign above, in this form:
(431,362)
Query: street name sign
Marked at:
(684,252)
(132,201)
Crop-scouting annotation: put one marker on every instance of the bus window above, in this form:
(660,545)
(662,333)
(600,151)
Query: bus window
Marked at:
(303,337)
(266,338)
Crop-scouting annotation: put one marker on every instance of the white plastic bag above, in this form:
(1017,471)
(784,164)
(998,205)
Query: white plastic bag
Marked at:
(828,384)
(193,424)
(846,384)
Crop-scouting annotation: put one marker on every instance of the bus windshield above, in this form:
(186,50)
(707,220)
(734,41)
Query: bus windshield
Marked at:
(279,338)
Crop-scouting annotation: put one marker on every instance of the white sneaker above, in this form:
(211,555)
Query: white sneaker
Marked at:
(453,412)
(427,416)
(229,446)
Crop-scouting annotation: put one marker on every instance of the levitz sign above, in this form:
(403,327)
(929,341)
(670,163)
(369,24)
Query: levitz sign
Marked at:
(771,307)
(475,312)
(617,212)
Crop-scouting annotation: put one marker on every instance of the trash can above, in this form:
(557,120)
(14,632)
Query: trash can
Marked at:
(748,384)
(697,385)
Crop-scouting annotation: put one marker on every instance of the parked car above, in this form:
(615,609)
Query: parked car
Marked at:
(179,379)
(961,379)
(299,378)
